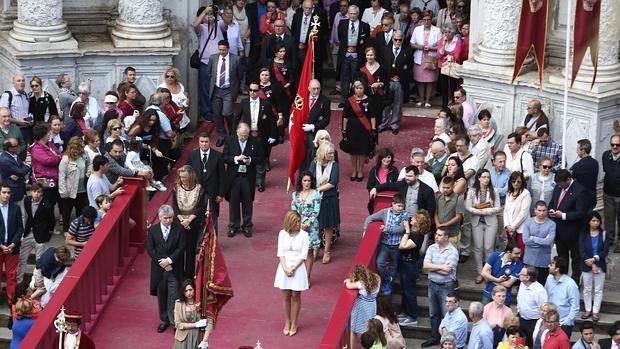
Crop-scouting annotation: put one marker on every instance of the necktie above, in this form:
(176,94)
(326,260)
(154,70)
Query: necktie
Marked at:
(165,232)
(388,37)
(352,28)
(312,101)
(306,18)
(204,158)
(396,50)
(562,194)
(280,38)
(242,146)
(223,72)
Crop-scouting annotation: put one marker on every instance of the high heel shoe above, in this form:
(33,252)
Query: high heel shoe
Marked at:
(326,257)
(286,331)
(293,331)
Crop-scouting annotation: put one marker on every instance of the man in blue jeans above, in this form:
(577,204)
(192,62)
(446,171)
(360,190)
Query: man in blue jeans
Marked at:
(392,229)
(441,260)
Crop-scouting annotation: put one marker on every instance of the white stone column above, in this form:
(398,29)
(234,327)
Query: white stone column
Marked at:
(140,24)
(608,73)
(499,32)
(40,26)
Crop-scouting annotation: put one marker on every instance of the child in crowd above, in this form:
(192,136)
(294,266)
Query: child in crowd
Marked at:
(104,202)
(366,282)
(393,229)
(133,162)
(375,328)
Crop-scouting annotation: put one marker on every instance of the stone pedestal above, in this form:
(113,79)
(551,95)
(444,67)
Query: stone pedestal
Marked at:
(140,24)
(40,27)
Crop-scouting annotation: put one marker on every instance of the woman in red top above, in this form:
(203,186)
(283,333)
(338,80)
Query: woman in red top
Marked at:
(128,93)
(267,20)
(448,50)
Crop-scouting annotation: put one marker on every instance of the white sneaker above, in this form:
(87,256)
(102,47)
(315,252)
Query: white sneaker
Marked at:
(150,188)
(408,322)
(159,186)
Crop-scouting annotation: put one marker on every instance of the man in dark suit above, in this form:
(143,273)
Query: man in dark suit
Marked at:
(225,72)
(396,59)
(279,37)
(426,195)
(165,245)
(353,35)
(300,29)
(318,119)
(241,153)
(383,40)
(11,231)
(40,222)
(585,169)
(257,113)
(13,171)
(568,209)
(209,167)
(613,342)
(254,11)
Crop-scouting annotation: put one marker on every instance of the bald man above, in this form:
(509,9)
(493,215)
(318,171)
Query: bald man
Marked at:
(280,36)
(318,119)
(301,30)
(17,100)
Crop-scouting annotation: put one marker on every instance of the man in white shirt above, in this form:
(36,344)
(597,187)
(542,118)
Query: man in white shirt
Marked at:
(517,159)
(530,298)
(417,160)
(233,34)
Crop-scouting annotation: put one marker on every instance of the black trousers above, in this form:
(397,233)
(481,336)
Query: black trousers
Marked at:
(167,293)
(80,201)
(447,86)
(570,247)
(240,199)
(542,275)
(191,244)
(160,165)
(527,326)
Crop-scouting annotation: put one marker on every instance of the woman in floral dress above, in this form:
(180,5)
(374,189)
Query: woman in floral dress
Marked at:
(307,202)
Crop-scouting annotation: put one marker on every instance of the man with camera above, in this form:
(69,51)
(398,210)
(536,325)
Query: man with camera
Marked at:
(502,269)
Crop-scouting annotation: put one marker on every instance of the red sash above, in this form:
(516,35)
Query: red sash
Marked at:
(360,115)
(263,96)
(281,79)
(371,79)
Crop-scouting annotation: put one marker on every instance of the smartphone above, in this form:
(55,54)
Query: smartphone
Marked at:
(520,341)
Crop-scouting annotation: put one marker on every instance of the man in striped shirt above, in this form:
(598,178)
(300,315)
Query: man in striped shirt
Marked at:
(81,229)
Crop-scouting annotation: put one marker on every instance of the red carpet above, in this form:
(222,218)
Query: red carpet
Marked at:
(255,312)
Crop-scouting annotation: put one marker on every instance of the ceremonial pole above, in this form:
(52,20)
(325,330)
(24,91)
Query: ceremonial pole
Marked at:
(566,74)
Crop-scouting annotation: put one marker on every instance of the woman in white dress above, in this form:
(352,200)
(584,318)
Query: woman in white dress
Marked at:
(291,276)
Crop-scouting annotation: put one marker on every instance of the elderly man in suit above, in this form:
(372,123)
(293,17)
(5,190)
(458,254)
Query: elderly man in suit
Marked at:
(300,30)
(258,115)
(209,167)
(11,231)
(165,245)
(568,208)
(318,119)
(353,36)
(280,36)
(14,172)
(40,223)
(226,74)
(396,58)
(383,40)
(241,153)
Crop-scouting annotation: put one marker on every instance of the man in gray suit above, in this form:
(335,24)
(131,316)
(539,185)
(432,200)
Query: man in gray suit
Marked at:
(225,73)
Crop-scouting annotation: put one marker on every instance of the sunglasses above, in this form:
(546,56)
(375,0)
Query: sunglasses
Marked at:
(116,128)
(34,85)
(397,39)
(547,167)
(615,145)
(82,93)
(253,90)
(169,76)
(516,181)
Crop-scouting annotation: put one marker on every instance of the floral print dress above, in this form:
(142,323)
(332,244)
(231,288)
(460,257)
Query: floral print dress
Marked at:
(309,211)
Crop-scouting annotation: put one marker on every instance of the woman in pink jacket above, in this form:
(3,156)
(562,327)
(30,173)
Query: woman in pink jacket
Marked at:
(448,50)
(45,159)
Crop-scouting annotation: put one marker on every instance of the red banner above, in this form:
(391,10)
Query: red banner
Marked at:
(587,18)
(532,35)
(299,114)
(213,287)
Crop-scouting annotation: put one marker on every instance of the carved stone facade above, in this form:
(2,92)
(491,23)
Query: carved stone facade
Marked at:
(487,74)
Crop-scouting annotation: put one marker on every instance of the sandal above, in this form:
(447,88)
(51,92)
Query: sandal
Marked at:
(586,315)
(353,178)
(596,317)
(326,257)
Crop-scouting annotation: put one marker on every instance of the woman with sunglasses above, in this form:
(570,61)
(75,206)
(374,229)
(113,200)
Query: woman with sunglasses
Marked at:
(516,208)
(42,104)
(172,81)
(541,183)
(115,131)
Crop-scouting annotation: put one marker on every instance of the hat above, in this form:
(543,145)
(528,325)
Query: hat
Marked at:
(73,316)
(110,99)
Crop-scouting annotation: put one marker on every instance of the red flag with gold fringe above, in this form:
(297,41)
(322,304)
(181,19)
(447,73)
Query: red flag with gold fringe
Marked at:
(532,35)
(587,21)
(213,287)
(299,114)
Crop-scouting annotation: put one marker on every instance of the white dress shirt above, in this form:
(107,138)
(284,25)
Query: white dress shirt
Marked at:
(529,300)
(226,71)
(254,108)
